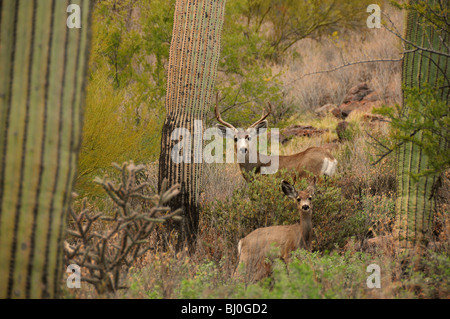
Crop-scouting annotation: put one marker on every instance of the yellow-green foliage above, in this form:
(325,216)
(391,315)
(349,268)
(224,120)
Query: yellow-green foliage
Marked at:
(115,129)
(122,121)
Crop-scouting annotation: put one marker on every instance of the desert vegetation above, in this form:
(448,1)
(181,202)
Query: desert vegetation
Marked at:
(332,83)
(354,211)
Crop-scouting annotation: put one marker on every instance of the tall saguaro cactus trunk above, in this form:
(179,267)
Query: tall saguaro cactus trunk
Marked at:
(42,70)
(194,55)
(415,202)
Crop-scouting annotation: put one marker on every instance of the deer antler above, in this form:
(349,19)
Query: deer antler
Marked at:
(263,117)
(219,118)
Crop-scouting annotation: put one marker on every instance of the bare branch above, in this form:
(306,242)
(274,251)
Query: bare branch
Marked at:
(107,253)
(347,65)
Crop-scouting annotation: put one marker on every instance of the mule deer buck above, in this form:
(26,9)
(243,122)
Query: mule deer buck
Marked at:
(255,247)
(316,160)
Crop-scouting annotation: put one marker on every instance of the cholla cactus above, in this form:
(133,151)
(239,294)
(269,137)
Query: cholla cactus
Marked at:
(107,255)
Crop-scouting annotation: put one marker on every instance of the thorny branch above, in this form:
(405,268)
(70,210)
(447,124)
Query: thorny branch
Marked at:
(388,150)
(107,254)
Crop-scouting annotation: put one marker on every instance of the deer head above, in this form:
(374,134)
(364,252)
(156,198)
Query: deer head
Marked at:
(303,198)
(242,138)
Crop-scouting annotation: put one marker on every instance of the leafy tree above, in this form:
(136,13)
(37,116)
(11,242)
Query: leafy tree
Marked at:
(292,20)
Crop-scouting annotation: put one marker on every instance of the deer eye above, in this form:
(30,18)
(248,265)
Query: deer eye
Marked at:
(299,199)
(310,198)
(235,139)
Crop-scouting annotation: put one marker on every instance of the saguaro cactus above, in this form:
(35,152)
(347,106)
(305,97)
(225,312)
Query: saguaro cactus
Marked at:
(194,54)
(43,64)
(422,65)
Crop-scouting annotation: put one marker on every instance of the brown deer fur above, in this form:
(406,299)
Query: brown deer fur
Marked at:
(255,249)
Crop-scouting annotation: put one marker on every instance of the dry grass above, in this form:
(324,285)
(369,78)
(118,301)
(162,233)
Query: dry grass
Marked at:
(220,180)
(313,91)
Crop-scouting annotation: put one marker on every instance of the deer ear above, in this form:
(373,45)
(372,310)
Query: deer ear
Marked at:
(289,190)
(224,131)
(260,127)
(312,186)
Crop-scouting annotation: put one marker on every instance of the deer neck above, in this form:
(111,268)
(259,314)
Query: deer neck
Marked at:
(305,228)
(261,161)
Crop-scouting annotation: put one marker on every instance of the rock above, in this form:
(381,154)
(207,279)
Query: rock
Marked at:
(337,113)
(359,97)
(302,130)
(357,93)
(324,109)
(372,97)
(348,108)
(297,131)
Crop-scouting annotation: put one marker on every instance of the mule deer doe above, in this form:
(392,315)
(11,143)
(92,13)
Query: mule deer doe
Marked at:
(316,160)
(255,247)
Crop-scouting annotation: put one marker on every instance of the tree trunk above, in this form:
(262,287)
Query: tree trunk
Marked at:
(42,69)
(415,204)
(194,54)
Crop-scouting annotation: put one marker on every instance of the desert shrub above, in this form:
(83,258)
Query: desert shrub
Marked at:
(209,281)
(352,131)
(162,275)
(427,275)
(333,275)
(106,245)
(333,217)
(360,175)
(111,132)
(380,211)
(261,203)
(282,24)
(314,275)
(170,274)
(309,275)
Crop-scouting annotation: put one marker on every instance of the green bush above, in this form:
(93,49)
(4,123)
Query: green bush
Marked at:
(429,130)
(315,276)
(111,133)
(429,275)
(309,275)
(261,203)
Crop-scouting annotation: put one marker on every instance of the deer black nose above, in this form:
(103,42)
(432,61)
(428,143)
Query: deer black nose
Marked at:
(243,150)
(305,207)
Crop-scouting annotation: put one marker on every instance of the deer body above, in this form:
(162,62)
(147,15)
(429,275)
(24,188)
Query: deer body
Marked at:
(254,249)
(316,160)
